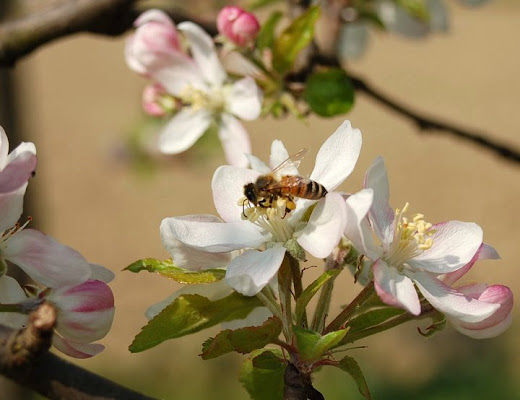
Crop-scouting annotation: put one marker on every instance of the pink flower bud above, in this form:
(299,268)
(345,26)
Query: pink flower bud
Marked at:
(152,103)
(237,25)
(154,39)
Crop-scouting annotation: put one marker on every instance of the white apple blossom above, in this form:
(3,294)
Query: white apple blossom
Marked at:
(199,81)
(266,233)
(413,251)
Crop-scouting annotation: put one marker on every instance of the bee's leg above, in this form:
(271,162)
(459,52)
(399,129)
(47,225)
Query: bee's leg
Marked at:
(290,205)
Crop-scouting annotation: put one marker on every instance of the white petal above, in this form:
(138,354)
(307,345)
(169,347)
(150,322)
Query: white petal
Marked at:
(245,99)
(337,156)
(237,64)
(382,216)
(183,130)
(325,227)
(257,164)
(450,301)
(395,289)
(48,262)
(214,237)
(101,273)
(21,165)
(212,291)
(279,155)
(235,140)
(204,53)
(353,40)
(76,350)
(11,293)
(357,228)
(399,20)
(255,318)
(4,148)
(251,271)
(11,208)
(454,245)
(228,188)
(188,257)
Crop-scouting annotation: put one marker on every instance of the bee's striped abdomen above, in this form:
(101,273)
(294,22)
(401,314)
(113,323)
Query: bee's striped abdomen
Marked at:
(309,189)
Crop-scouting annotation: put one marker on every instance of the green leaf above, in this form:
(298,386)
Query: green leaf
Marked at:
(191,313)
(243,340)
(329,92)
(262,375)
(265,38)
(294,39)
(311,345)
(256,4)
(373,318)
(295,249)
(167,269)
(350,366)
(310,291)
(416,8)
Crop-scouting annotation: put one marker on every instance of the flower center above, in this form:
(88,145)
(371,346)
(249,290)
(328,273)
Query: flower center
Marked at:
(213,100)
(411,238)
(270,219)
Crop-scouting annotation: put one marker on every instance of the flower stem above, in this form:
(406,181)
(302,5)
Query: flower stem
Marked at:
(284,289)
(266,298)
(349,310)
(297,284)
(17,308)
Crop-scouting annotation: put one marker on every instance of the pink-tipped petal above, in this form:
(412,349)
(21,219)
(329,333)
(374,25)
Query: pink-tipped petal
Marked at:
(454,245)
(395,289)
(251,271)
(337,157)
(235,140)
(48,262)
(381,215)
(76,350)
(18,170)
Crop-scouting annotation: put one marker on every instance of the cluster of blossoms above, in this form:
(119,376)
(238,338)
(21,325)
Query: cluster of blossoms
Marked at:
(409,260)
(78,290)
(190,82)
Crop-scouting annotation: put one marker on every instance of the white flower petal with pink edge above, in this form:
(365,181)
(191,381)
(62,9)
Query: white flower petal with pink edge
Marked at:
(183,130)
(203,51)
(357,229)
(454,245)
(214,237)
(188,257)
(85,311)
(245,99)
(11,293)
(498,322)
(251,271)
(485,252)
(381,214)
(76,350)
(450,301)
(48,262)
(325,227)
(337,157)
(395,289)
(228,188)
(235,140)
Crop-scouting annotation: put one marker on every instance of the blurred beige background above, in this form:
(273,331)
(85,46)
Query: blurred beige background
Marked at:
(78,101)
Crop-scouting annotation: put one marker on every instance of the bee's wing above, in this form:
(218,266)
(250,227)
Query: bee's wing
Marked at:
(293,161)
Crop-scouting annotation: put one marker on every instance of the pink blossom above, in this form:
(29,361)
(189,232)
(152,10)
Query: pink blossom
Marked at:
(237,25)
(152,100)
(85,314)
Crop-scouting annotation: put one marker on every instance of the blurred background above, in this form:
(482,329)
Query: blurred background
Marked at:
(78,102)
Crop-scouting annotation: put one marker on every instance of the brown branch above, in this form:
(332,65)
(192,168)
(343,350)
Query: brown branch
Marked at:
(298,386)
(21,36)
(25,359)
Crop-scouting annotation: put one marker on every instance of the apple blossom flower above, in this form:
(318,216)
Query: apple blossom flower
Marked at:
(415,253)
(200,82)
(85,314)
(262,235)
(501,319)
(237,25)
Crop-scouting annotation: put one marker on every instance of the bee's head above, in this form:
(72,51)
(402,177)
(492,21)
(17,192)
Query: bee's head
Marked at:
(250,193)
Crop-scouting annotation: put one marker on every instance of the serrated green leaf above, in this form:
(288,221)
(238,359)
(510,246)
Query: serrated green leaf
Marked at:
(350,366)
(262,375)
(167,269)
(329,92)
(310,291)
(243,340)
(416,8)
(294,39)
(191,313)
(312,346)
(265,38)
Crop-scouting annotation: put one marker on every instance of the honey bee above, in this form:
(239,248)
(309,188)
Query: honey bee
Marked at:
(270,188)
